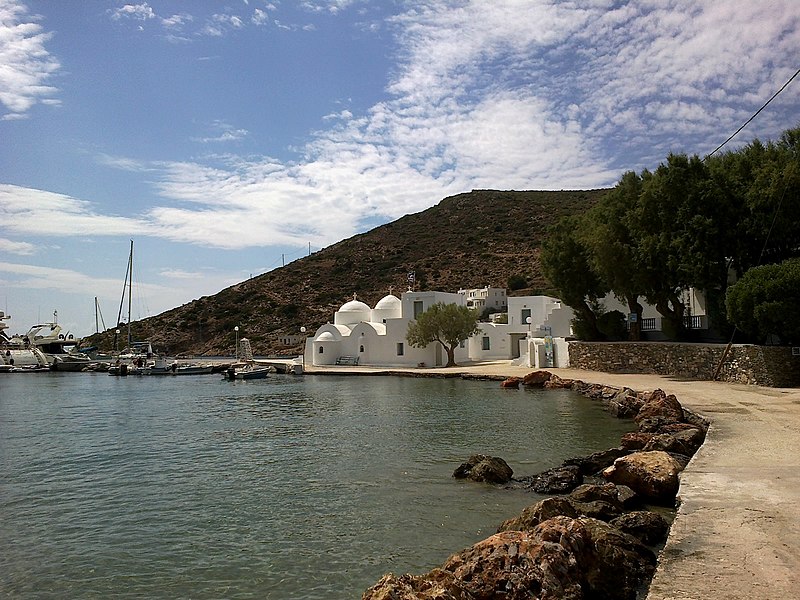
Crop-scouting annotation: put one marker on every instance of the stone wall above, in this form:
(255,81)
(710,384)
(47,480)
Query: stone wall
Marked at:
(772,366)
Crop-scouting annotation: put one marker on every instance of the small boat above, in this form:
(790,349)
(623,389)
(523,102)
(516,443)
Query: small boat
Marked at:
(194,369)
(247,370)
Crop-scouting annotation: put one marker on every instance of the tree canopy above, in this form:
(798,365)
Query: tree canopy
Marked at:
(765,302)
(685,225)
(447,324)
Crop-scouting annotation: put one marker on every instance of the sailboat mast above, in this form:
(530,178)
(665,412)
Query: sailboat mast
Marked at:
(130,292)
(96,322)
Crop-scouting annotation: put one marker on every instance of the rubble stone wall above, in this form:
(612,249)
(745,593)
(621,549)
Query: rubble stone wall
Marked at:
(773,366)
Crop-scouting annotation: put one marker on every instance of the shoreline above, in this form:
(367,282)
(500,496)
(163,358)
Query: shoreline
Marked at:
(736,533)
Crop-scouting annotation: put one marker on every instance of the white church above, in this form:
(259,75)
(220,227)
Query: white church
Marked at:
(534,335)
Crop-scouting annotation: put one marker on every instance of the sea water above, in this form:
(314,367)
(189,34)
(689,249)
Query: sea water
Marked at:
(286,488)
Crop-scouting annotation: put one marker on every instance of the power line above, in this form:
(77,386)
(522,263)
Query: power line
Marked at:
(775,95)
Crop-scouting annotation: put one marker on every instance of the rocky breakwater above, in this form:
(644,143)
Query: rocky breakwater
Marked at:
(596,538)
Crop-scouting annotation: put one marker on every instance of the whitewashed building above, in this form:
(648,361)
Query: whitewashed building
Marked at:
(486,297)
(377,336)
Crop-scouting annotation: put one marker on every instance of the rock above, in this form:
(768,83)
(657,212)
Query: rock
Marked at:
(648,527)
(660,406)
(627,496)
(436,585)
(598,461)
(480,467)
(653,475)
(635,440)
(625,404)
(618,563)
(519,565)
(556,383)
(511,382)
(537,513)
(667,443)
(561,558)
(536,378)
(558,480)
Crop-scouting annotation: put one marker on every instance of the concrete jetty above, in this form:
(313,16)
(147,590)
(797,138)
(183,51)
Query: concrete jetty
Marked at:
(737,531)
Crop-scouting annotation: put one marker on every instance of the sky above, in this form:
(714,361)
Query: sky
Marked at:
(230,138)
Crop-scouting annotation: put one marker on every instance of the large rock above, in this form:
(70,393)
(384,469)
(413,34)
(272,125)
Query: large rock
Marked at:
(647,526)
(536,378)
(561,558)
(594,463)
(660,407)
(558,480)
(653,475)
(588,500)
(625,404)
(436,585)
(480,467)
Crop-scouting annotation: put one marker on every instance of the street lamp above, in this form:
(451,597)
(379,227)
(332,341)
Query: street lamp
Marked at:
(116,340)
(303,353)
(236,329)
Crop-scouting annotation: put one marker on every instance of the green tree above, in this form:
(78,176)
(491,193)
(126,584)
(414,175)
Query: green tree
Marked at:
(613,254)
(565,263)
(678,225)
(766,302)
(447,324)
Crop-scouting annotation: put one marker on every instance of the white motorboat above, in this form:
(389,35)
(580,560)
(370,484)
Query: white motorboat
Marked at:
(247,370)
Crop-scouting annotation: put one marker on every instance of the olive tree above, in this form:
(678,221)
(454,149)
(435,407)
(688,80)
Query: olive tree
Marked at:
(447,324)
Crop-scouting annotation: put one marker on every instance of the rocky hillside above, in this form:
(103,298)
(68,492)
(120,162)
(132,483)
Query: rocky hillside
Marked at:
(471,240)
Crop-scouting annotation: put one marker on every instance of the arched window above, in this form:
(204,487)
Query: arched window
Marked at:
(321,349)
(361,348)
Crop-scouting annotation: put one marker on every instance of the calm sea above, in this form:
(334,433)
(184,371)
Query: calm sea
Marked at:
(286,488)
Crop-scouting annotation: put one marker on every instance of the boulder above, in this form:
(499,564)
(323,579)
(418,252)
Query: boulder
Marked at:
(511,382)
(596,462)
(625,404)
(660,406)
(436,585)
(646,526)
(635,440)
(652,475)
(536,378)
(558,480)
(537,513)
(561,558)
(556,383)
(587,500)
(519,565)
(480,467)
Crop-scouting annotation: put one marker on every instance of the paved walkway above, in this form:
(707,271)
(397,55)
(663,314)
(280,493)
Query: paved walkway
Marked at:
(737,531)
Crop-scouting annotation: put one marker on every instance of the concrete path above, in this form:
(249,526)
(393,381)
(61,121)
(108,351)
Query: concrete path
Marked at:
(737,531)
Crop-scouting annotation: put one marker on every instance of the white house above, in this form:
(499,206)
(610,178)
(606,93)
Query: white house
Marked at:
(486,297)
(377,336)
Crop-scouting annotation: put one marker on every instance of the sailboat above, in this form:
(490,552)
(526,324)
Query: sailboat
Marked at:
(137,356)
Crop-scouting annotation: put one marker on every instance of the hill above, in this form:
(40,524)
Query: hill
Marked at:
(469,240)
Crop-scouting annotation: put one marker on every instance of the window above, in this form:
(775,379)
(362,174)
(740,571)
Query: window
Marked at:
(361,348)
(321,349)
(525,315)
(486,343)
(418,308)
(400,349)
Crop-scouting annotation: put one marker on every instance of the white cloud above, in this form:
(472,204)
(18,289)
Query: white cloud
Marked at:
(27,66)
(138,12)
(21,248)
(479,98)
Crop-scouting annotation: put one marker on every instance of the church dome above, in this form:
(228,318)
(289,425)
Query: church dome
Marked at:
(352,313)
(354,306)
(390,302)
(325,336)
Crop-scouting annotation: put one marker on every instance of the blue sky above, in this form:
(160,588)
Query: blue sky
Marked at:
(227,137)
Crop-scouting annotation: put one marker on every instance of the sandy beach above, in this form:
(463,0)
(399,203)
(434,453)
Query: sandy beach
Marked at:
(737,530)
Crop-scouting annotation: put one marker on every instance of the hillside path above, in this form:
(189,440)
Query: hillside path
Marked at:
(736,534)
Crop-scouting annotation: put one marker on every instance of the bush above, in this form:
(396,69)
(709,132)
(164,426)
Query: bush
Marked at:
(765,302)
(517,282)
